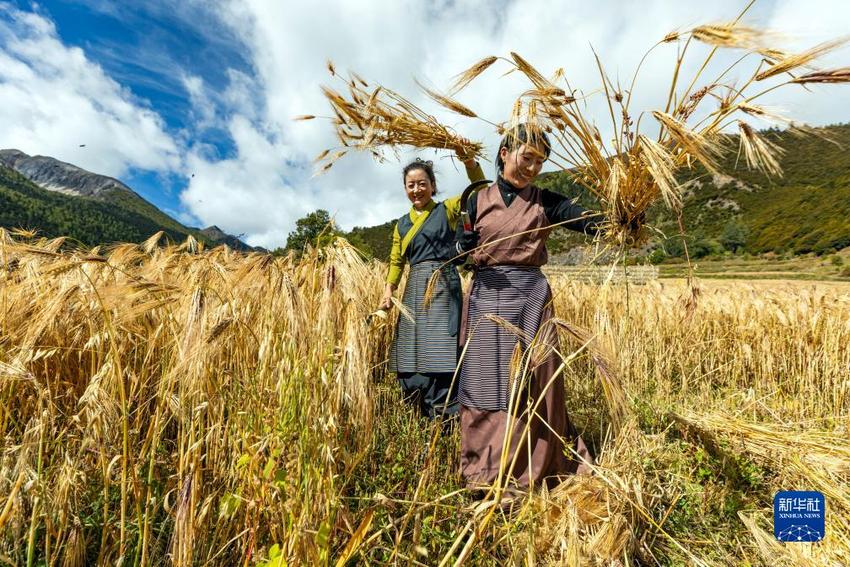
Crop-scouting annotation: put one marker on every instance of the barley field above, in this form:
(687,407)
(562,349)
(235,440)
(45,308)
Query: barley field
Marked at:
(165,405)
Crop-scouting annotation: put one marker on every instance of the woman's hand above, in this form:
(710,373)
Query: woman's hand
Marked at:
(467,241)
(462,155)
(387,301)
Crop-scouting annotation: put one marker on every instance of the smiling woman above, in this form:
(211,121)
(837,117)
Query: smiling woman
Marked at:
(424,353)
(515,432)
(420,183)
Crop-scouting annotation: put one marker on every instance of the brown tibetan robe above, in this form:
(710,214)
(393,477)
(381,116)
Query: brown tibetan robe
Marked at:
(510,362)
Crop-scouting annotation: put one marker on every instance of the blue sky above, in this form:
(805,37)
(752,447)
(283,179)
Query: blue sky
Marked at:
(191,102)
(148,50)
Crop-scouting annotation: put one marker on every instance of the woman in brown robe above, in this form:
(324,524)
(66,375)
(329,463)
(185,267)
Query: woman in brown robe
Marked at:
(508,382)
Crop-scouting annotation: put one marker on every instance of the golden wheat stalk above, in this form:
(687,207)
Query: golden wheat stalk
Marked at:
(661,166)
(469,75)
(760,153)
(791,62)
(447,102)
(841,75)
(730,35)
(383,118)
(701,147)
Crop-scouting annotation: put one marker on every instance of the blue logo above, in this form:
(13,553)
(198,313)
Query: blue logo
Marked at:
(799,516)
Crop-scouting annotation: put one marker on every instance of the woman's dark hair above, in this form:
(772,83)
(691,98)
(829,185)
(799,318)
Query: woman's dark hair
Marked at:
(426,166)
(519,135)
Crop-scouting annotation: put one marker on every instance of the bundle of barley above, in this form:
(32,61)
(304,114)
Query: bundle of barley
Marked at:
(381,118)
(583,521)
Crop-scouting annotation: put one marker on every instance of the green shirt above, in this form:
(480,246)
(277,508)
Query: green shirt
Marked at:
(452,204)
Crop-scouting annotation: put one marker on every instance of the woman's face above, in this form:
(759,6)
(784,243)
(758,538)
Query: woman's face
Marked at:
(419,188)
(522,164)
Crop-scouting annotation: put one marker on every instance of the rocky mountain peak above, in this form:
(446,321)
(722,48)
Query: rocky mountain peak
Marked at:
(11,156)
(54,175)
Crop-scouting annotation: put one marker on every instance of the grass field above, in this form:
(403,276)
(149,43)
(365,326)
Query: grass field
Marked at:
(833,267)
(160,405)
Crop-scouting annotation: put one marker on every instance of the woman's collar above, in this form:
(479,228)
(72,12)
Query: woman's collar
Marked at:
(429,207)
(507,185)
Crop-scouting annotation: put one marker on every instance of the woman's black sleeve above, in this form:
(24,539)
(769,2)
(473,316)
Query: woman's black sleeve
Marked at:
(561,209)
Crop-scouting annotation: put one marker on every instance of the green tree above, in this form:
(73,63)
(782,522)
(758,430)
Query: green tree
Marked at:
(674,247)
(700,247)
(656,256)
(734,236)
(316,229)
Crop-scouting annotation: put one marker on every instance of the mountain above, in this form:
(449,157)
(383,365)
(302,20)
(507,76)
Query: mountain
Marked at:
(106,209)
(218,236)
(54,175)
(806,210)
(377,239)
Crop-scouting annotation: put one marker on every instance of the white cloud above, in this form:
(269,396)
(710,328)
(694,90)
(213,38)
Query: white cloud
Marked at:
(204,109)
(53,99)
(247,193)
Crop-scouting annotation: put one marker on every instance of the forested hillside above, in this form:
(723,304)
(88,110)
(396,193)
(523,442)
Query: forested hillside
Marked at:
(89,221)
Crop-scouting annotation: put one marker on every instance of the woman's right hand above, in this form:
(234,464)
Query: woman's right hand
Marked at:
(467,241)
(386,302)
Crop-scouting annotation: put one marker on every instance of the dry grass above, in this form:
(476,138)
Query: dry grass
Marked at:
(164,405)
(827,76)
(798,60)
(759,152)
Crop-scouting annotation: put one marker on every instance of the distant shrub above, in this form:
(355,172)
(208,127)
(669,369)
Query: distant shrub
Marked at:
(702,247)
(841,242)
(656,256)
(823,249)
(836,260)
(734,236)
(674,247)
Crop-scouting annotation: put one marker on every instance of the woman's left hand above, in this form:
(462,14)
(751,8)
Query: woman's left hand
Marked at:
(468,160)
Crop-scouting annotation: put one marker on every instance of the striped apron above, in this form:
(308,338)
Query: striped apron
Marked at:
(428,344)
(505,309)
